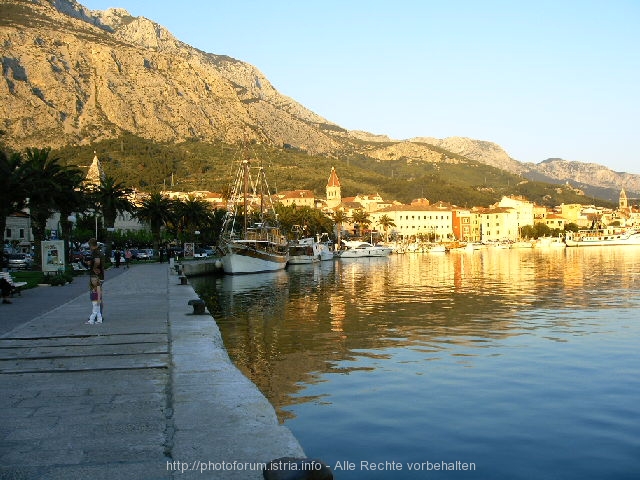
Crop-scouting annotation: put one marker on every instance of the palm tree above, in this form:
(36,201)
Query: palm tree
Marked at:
(112,198)
(157,210)
(12,187)
(75,200)
(48,183)
(339,217)
(385,222)
(193,215)
(361,219)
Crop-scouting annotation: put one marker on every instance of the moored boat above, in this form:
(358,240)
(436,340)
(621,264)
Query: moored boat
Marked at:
(304,251)
(603,237)
(356,249)
(251,248)
(550,242)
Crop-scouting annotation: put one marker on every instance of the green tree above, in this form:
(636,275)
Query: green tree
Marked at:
(571,227)
(13,194)
(74,200)
(193,214)
(360,219)
(339,218)
(111,198)
(49,183)
(386,222)
(156,210)
(305,220)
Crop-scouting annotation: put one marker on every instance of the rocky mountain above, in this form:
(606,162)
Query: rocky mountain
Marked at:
(72,76)
(593,178)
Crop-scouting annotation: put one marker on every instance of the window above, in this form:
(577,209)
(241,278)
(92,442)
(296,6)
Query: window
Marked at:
(21,235)
(8,234)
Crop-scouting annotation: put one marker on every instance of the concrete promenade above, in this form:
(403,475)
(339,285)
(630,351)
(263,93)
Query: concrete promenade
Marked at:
(149,394)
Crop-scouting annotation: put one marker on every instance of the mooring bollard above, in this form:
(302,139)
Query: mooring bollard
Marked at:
(291,468)
(198,306)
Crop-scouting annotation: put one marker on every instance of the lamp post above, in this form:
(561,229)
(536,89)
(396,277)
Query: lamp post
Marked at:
(72,219)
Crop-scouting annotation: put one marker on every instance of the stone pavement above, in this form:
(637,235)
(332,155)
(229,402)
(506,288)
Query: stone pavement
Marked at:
(149,394)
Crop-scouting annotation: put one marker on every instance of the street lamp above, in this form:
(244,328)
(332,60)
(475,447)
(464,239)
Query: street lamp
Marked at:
(72,219)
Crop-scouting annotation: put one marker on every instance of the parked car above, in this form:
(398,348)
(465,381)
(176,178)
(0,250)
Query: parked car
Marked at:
(21,261)
(200,253)
(141,255)
(137,254)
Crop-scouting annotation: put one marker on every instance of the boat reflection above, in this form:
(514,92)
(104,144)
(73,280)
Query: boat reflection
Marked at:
(287,329)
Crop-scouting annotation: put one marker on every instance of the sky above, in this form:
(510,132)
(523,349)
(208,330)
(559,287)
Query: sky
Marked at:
(542,79)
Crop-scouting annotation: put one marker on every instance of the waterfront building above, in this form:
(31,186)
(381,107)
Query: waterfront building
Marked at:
(465,225)
(434,222)
(522,207)
(299,198)
(498,224)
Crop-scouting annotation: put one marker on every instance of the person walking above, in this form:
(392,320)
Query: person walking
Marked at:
(117,256)
(127,258)
(95,295)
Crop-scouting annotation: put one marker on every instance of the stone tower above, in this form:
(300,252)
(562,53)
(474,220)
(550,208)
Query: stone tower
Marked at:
(95,174)
(334,193)
(623,203)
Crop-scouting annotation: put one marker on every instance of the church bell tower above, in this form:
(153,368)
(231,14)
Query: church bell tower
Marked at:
(334,193)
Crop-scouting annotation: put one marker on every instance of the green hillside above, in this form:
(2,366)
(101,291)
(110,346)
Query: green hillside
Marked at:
(196,165)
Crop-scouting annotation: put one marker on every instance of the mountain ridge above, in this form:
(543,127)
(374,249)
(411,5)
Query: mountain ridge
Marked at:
(83,76)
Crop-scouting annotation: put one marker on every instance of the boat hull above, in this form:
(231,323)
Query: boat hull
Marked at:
(242,259)
(602,238)
(363,249)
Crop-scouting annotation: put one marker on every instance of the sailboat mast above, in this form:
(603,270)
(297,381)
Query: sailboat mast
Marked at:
(262,180)
(246,194)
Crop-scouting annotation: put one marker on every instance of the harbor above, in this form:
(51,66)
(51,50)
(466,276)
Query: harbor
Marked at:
(148,394)
(520,361)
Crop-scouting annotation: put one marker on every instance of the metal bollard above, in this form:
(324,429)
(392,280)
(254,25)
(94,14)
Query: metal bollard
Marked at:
(198,306)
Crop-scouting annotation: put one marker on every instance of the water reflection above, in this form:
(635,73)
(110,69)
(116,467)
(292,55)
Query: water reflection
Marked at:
(285,330)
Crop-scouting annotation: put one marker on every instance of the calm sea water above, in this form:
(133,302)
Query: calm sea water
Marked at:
(522,364)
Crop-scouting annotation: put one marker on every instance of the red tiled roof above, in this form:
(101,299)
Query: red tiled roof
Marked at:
(334,181)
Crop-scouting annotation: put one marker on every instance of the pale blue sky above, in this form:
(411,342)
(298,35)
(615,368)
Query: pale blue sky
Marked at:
(540,78)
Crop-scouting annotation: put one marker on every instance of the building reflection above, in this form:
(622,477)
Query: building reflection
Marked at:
(287,330)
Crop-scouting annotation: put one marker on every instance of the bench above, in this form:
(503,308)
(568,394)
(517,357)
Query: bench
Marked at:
(16,287)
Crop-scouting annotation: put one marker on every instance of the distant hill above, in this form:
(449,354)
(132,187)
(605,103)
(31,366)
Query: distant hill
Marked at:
(73,77)
(595,180)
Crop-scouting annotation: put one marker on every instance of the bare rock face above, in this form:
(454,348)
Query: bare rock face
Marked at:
(73,76)
(485,152)
(586,173)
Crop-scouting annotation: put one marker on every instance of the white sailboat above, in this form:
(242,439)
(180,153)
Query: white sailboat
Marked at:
(251,247)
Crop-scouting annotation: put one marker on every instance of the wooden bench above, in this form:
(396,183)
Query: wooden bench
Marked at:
(16,287)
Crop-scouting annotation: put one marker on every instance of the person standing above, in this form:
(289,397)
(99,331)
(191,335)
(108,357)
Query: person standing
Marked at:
(127,257)
(117,256)
(6,290)
(96,269)
(95,295)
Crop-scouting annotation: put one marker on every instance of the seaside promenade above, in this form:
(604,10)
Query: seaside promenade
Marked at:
(148,394)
